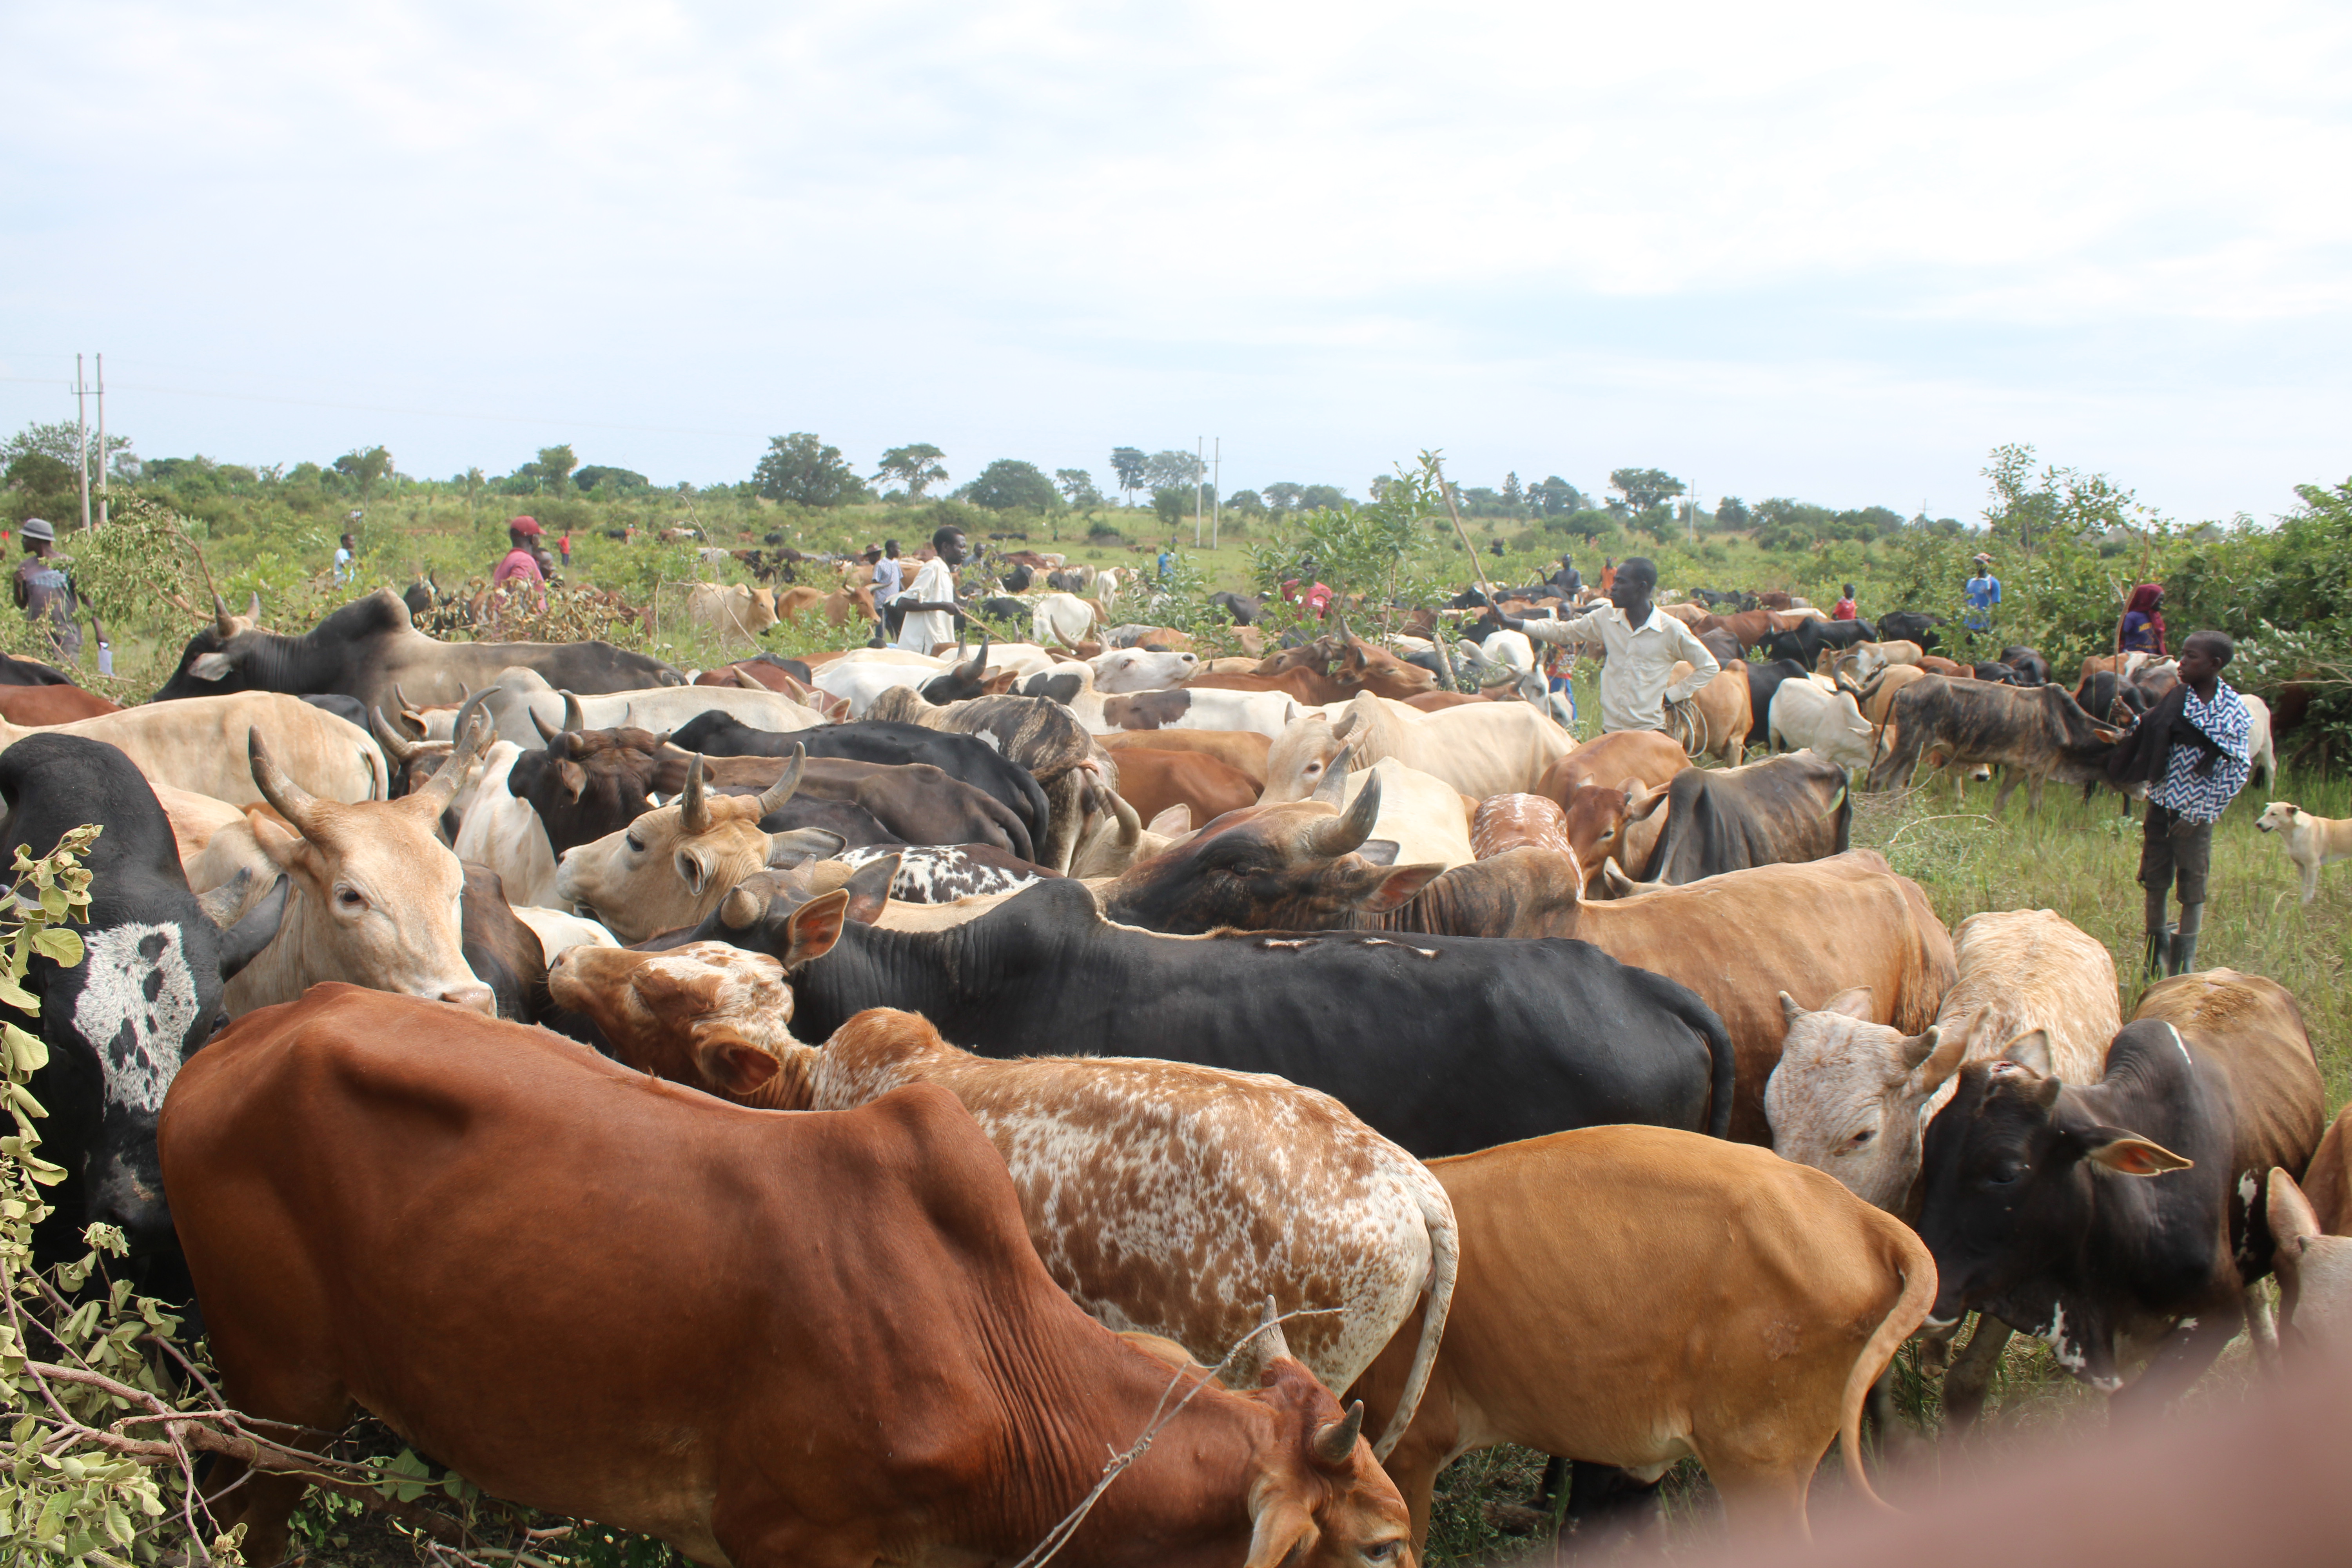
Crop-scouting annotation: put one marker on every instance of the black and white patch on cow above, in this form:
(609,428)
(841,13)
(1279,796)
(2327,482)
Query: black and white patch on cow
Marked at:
(136,1004)
(942,873)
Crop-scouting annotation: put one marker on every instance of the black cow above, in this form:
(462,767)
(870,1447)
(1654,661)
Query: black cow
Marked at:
(146,994)
(959,682)
(15,671)
(1445,1044)
(1764,677)
(1018,580)
(1911,626)
(2032,669)
(2111,699)
(960,756)
(2081,1213)
(1789,808)
(2037,734)
(1805,645)
(1992,672)
(364,648)
(998,608)
(503,952)
(1242,609)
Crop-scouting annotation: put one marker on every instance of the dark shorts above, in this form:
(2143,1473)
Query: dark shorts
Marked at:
(2173,848)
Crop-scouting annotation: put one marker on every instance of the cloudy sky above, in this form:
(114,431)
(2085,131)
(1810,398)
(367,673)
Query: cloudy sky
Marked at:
(1829,250)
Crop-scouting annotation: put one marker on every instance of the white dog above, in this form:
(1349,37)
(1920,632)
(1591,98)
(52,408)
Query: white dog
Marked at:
(2311,841)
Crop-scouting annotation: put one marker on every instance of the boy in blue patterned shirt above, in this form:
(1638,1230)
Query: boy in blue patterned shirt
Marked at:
(2206,727)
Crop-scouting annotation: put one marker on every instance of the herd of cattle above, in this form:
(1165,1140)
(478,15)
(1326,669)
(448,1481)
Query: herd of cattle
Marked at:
(1198,1044)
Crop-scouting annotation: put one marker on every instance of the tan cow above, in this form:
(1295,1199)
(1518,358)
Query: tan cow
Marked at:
(1633,1296)
(198,745)
(1725,715)
(1853,1098)
(730,608)
(1166,1198)
(373,897)
(2314,1273)
(671,866)
(1480,749)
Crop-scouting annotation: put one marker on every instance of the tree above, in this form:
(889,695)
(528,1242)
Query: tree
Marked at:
(60,442)
(1644,487)
(1555,496)
(1008,483)
(368,468)
(1512,494)
(613,482)
(1077,486)
(1731,512)
(1172,468)
(916,466)
(1282,495)
(1315,497)
(1249,504)
(1172,503)
(801,468)
(1129,463)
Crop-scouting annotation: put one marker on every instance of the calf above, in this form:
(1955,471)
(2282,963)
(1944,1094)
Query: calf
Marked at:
(1614,759)
(896,1377)
(1632,1296)
(1724,718)
(2122,1207)
(1130,1173)
(1828,724)
(2311,841)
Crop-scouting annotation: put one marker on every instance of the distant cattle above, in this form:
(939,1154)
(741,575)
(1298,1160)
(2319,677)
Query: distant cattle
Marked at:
(753,1413)
(730,609)
(1911,626)
(2031,735)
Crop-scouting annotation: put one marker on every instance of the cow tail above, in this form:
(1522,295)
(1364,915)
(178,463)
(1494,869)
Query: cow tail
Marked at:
(1844,809)
(1724,1075)
(1445,1264)
(1903,1321)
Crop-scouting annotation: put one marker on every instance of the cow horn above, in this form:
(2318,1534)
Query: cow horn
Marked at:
(396,746)
(1338,835)
(253,610)
(1130,822)
(443,784)
(1270,1342)
(694,811)
(221,621)
(775,794)
(1336,1441)
(375,772)
(979,665)
(550,735)
(400,700)
(293,802)
(575,716)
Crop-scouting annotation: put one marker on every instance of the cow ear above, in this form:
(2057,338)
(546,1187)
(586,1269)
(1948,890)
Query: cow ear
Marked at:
(1641,807)
(211,666)
(1280,1524)
(1176,819)
(1399,887)
(2128,1154)
(692,871)
(731,1063)
(814,927)
(1790,1009)
(1855,1001)
(1378,851)
(283,844)
(1943,1059)
(790,848)
(2293,1220)
(2032,1050)
(868,888)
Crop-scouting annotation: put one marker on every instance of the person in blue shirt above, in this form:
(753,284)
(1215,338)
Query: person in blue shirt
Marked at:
(1167,563)
(1984,591)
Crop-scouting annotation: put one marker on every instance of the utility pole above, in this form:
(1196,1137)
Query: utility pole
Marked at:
(81,426)
(1200,473)
(1217,492)
(101,441)
(1692,513)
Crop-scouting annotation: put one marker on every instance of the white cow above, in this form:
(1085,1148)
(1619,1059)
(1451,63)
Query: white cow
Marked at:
(518,694)
(1426,819)
(1133,669)
(1480,749)
(1063,618)
(197,744)
(506,835)
(1829,725)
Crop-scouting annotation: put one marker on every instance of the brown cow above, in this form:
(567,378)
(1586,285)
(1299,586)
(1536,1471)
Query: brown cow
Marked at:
(1610,825)
(897,1377)
(32,705)
(1243,751)
(1630,1296)
(2327,1182)
(1152,780)
(1129,1171)
(1724,714)
(1614,759)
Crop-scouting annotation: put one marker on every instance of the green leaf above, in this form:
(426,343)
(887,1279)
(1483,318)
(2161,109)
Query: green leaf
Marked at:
(59,945)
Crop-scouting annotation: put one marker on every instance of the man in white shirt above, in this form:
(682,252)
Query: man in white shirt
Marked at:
(931,603)
(1642,645)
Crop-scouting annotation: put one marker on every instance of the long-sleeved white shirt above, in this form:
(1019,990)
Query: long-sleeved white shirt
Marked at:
(1637,681)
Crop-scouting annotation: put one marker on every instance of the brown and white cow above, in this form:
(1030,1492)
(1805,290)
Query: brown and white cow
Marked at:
(670,867)
(1518,821)
(373,898)
(1850,1097)
(1164,1197)
(1633,1296)
(816,1338)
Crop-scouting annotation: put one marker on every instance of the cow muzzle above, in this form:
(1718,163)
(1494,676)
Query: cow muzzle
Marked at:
(475,997)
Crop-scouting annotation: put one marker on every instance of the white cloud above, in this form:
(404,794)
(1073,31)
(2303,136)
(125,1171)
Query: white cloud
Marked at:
(1834,250)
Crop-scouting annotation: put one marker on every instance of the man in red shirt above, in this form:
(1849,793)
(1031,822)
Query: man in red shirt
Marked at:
(1845,605)
(519,561)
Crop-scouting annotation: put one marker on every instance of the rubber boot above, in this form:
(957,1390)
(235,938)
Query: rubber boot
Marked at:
(2184,938)
(2160,939)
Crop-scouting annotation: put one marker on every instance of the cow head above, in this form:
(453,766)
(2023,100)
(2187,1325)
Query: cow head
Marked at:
(671,866)
(704,1013)
(1290,867)
(586,783)
(1317,1498)
(959,682)
(1606,824)
(1309,748)
(374,894)
(1848,1094)
(2315,1272)
(2009,1166)
(1131,669)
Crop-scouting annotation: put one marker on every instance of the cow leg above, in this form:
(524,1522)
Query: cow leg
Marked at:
(2182,1357)
(2010,779)
(2262,1326)
(1608,1508)
(1894,1433)
(1969,1382)
(2033,795)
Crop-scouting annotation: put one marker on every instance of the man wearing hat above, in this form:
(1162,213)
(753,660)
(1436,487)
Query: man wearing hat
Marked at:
(521,563)
(47,595)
